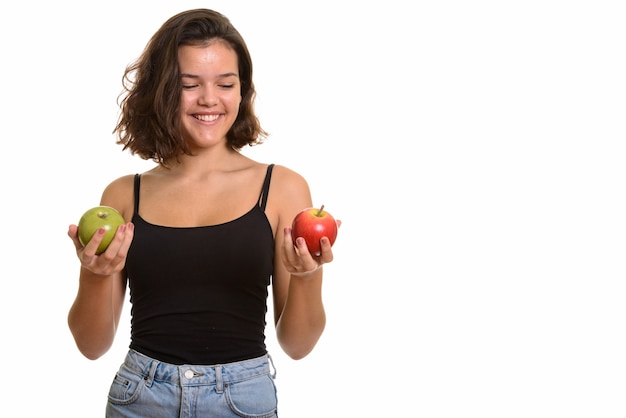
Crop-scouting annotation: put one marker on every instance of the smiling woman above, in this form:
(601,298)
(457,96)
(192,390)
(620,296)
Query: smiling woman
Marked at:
(208,60)
(207,233)
(211,92)
(475,149)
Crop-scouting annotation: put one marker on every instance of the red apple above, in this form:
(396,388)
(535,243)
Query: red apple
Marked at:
(312,224)
(99,217)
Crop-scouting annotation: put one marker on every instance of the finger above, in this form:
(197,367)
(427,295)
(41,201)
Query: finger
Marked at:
(127,240)
(117,250)
(289,248)
(307,262)
(117,241)
(113,259)
(297,258)
(72,232)
(327,252)
(92,246)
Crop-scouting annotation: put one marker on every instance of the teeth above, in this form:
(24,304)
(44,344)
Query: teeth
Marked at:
(206,118)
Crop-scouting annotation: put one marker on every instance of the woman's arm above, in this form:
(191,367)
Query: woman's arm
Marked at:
(299,313)
(95,313)
(94,316)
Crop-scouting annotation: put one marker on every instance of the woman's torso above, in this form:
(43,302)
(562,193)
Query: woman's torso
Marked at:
(198,278)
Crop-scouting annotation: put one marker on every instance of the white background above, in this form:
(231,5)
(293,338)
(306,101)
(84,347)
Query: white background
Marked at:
(473,150)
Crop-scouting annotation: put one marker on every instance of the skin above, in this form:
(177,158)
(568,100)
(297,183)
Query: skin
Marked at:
(197,191)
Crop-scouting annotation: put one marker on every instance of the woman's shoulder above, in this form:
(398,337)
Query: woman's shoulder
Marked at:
(289,193)
(120,185)
(286,174)
(119,194)
(287,180)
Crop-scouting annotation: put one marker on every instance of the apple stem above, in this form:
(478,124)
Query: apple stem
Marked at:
(319,212)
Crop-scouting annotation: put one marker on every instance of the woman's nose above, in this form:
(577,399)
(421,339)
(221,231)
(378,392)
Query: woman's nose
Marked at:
(207,96)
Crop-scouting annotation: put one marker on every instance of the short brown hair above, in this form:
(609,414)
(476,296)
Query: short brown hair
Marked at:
(149,123)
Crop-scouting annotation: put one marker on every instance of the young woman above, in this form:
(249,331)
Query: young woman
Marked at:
(207,232)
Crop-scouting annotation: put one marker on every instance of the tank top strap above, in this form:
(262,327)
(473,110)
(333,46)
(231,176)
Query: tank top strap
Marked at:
(266,187)
(137,181)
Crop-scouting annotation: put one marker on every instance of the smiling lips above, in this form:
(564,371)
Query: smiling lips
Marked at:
(206,118)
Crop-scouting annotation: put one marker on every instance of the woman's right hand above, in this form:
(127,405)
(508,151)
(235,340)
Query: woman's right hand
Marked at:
(113,259)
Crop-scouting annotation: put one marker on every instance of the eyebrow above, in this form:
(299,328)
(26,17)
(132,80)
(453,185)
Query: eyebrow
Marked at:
(225,75)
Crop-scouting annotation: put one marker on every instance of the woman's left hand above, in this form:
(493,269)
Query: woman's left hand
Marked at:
(298,260)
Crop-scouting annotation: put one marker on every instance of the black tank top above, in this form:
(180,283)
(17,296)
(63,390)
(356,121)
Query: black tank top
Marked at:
(199,294)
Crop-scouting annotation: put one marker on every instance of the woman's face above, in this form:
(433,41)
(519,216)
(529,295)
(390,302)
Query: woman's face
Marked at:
(211,92)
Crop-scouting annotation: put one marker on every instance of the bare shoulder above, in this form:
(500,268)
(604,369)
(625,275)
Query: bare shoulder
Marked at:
(287,182)
(119,194)
(289,193)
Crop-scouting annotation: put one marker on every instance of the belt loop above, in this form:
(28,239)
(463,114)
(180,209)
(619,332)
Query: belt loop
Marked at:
(149,378)
(272,367)
(219,382)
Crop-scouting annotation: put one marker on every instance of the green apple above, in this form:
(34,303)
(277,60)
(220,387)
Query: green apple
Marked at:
(99,217)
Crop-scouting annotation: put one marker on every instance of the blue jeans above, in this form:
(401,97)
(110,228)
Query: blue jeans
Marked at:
(147,388)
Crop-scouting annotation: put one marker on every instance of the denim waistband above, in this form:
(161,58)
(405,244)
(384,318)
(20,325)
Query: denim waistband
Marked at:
(187,375)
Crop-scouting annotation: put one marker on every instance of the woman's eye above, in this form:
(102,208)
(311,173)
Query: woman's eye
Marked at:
(189,86)
(227,86)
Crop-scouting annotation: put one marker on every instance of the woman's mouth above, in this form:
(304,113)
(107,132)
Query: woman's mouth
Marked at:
(206,118)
